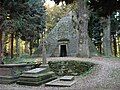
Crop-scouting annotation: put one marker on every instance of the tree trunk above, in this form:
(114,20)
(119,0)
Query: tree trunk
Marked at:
(83,43)
(12,40)
(31,46)
(3,41)
(100,49)
(2,36)
(43,51)
(1,53)
(1,48)
(38,42)
(119,46)
(17,46)
(26,47)
(106,23)
(114,45)
(5,46)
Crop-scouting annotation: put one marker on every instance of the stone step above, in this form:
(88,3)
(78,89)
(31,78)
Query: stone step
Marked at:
(67,78)
(61,83)
(36,70)
(44,66)
(8,79)
(36,78)
(35,75)
(36,83)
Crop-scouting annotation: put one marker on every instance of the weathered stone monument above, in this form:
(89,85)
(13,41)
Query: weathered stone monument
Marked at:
(65,81)
(36,76)
(63,39)
(9,73)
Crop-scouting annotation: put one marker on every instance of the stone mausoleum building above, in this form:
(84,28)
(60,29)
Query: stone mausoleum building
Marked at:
(63,39)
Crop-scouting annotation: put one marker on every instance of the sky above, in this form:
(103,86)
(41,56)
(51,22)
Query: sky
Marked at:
(50,3)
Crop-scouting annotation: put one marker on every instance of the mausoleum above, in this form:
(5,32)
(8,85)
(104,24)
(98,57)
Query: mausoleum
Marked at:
(62,40)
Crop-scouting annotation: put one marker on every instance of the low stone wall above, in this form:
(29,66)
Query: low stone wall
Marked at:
(9,73)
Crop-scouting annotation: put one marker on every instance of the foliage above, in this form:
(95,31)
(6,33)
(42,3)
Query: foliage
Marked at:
(104,8)
(66,1)
(8,60)
(24,58)
(54,14)
(115,22)
(12,8)
(34,22)
(95,29)
(64,67)
(22,16)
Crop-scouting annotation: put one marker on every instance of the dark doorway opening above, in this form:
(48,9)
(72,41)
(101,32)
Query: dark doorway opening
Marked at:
(63,51)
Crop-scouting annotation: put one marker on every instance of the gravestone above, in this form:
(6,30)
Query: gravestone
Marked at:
(35,71)
(9,73)
(67,78)
(36,76)
(65,81)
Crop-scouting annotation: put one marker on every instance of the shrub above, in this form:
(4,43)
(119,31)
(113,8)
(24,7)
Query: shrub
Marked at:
(70,67)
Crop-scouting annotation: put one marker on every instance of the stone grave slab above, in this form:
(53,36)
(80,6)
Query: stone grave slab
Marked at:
(36,76)
(67,78)
(9,73)
(61,83)
(36,79)
(34,71)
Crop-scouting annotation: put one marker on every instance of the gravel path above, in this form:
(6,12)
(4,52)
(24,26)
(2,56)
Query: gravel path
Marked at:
(105,76)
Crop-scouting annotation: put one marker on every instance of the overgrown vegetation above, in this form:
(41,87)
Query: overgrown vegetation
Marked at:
(20,16)
(62,68)
(24,58)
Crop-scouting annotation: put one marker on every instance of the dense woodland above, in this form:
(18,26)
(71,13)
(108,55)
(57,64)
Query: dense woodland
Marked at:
(25,23)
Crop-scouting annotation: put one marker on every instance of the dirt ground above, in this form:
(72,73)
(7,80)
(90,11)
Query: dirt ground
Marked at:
(105,76)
